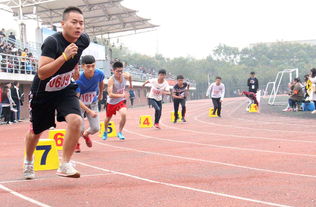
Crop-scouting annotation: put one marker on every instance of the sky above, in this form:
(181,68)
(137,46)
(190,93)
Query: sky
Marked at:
(195,28)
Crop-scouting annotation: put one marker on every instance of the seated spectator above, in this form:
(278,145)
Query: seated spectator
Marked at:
(296,95)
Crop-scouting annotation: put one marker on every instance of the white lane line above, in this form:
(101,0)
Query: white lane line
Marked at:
(221,146)
(185,187)
(31,200)
(280,119)
(210,161)
(238,136)
(49,178)
(241,127)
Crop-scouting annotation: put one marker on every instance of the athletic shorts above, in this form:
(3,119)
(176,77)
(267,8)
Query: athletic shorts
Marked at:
(43,108)
(111,109)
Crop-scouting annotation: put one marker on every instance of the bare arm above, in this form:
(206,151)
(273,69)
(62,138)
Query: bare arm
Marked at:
(110,90)
(76,74)
(101,88)
(146,82)
(48,66)
(86,109)
(129,78)
(175,96)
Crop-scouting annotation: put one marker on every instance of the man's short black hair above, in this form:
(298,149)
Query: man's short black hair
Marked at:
(218,78)
(15,83)
(297,80)
(162,71)
(117,65)
(252,73)
(70,9)
(87,59)
(180,77)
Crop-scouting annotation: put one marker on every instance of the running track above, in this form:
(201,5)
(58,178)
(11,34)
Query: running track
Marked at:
(243,159)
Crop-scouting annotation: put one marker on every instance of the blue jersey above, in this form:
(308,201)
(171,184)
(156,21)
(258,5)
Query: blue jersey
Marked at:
(89,88)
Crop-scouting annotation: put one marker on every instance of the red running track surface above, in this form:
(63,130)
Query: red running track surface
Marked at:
(242,159)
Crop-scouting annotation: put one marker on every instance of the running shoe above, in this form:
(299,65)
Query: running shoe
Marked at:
(183,120)
(157,126)
(120,136)
(105,135)
(88,141)
(67,170)
(28,171)
(313,112)
(77,149)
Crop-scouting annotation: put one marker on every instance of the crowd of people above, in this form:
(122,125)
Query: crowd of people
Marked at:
(14,59)
(302,95)
(11,100)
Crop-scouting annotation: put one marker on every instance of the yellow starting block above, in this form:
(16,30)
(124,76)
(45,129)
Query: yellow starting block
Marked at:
(253,108)
(111,129)
(210,113)
(57,135)
(179,116)
(46,155)
(146,121)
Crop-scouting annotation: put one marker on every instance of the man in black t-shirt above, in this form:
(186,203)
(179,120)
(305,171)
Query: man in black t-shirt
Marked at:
(179,95)
(52,90)
(253,83)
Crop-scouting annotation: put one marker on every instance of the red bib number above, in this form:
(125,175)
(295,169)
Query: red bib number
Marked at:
(87,98)
(59,82)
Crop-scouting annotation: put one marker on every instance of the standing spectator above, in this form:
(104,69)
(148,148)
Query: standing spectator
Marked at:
(253,83)
(312,78)
(2,35)
(132,96)
(16,97)
(7,103)
(23,59)
(12,38)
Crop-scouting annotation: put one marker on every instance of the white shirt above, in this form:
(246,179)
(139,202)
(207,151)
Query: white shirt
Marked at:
(216,91)
(17,91)
(157,89)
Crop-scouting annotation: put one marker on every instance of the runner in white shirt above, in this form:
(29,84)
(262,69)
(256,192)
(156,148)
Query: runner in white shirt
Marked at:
(217,92)
(159,87)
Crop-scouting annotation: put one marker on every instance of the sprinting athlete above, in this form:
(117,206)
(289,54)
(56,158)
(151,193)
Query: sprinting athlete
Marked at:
(117,98)
(52,90)
(159,87)
(217,92)
(252,98)
(90,83)
(179,95)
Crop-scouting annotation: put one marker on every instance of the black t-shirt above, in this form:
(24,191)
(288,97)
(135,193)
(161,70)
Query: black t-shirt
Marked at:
(53,47)
(253,84)
(180,91)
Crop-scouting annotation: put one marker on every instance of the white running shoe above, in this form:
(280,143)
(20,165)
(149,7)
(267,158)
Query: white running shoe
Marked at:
(67,170)
(28,171)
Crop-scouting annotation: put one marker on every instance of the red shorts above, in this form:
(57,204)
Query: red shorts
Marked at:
(111,109)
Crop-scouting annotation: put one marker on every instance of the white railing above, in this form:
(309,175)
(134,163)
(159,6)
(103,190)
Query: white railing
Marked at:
(18,64)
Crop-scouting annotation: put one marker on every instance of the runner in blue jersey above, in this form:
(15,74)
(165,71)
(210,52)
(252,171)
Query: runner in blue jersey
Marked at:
(90,83)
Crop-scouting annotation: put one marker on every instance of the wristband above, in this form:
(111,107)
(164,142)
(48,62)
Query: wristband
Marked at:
(65,56)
